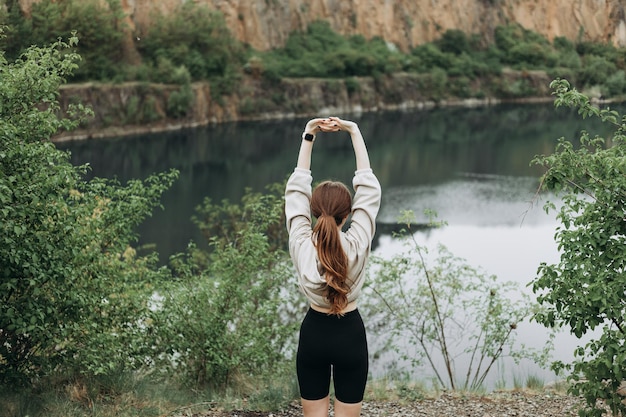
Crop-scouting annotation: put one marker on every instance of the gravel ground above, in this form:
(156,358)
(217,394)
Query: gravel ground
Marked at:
(497,404)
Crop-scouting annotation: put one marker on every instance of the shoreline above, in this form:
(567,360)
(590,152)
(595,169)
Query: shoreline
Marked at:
(170,126)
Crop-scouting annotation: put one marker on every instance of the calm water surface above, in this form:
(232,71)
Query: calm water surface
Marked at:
(470,165)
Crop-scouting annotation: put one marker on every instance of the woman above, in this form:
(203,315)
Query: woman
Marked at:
(330,265)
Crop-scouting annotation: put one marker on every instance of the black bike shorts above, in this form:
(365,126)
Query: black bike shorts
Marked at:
(332,344)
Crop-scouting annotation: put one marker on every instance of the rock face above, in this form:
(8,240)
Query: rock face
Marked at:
(266,24)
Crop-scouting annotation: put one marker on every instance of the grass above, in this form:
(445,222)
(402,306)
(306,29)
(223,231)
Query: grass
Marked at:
(139,396)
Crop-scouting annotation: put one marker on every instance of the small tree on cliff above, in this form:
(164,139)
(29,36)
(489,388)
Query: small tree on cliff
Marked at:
(586,290)
(73,293)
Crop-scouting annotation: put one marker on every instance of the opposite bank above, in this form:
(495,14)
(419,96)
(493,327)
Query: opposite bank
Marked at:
(137,108)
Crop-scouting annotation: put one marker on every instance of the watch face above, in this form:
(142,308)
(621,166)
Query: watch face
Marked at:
(308,136)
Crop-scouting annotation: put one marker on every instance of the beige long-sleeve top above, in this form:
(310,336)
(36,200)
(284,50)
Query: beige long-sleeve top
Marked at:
(356,241)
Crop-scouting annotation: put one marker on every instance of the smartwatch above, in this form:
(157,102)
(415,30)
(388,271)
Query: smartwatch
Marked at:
(308,136)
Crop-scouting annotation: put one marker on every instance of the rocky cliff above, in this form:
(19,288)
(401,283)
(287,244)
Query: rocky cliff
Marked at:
(266,24)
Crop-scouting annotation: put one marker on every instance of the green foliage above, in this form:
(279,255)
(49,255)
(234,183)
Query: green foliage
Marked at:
(615,85)
(352,85)
(232,312)
(522,47)
(595,70)
(98,24)
(456,54)
(567,56)
(454,41)
(179,102)
(433,307)
(321,52)
(585,290)
(221,224)
(196,38)
(73,294)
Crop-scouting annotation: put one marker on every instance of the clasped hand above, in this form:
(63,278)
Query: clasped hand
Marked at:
(329,124)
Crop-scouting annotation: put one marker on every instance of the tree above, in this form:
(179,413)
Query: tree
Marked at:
(73,292)
(586,290)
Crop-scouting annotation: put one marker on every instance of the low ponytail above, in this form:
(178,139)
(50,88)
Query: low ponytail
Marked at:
(331,203)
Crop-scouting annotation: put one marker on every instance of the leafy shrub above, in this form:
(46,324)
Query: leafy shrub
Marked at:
(98,25)
(595,70)
(522,47)
(606,50)
(457,55)
(321,52)
(454,41)
(615,85)
(168,73)
(73,293)
(352,85)
(197,38)
(179,102)
(567,56)
(585,290)
(230,312)
(444,301)
(428,57)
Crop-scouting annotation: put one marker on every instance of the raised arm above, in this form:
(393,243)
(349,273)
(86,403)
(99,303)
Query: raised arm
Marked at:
(306,147)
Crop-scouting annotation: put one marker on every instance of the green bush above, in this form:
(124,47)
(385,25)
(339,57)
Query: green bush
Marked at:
(231,312)
(180,101)
(595,70)
(321,52)
(457,55)
(567,61)
(520,47)
(615,85)
(454,41)
(352,85)
(584,291)
(428,57)
(195,37)
(73,293)
(98,25)
(445,302)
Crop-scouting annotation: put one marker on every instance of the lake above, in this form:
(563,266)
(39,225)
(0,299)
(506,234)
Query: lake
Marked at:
(470,165)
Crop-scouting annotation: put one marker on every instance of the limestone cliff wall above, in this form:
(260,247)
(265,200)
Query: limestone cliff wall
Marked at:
(266,24)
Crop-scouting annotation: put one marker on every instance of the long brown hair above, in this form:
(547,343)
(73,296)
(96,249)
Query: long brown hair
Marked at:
(331,203)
